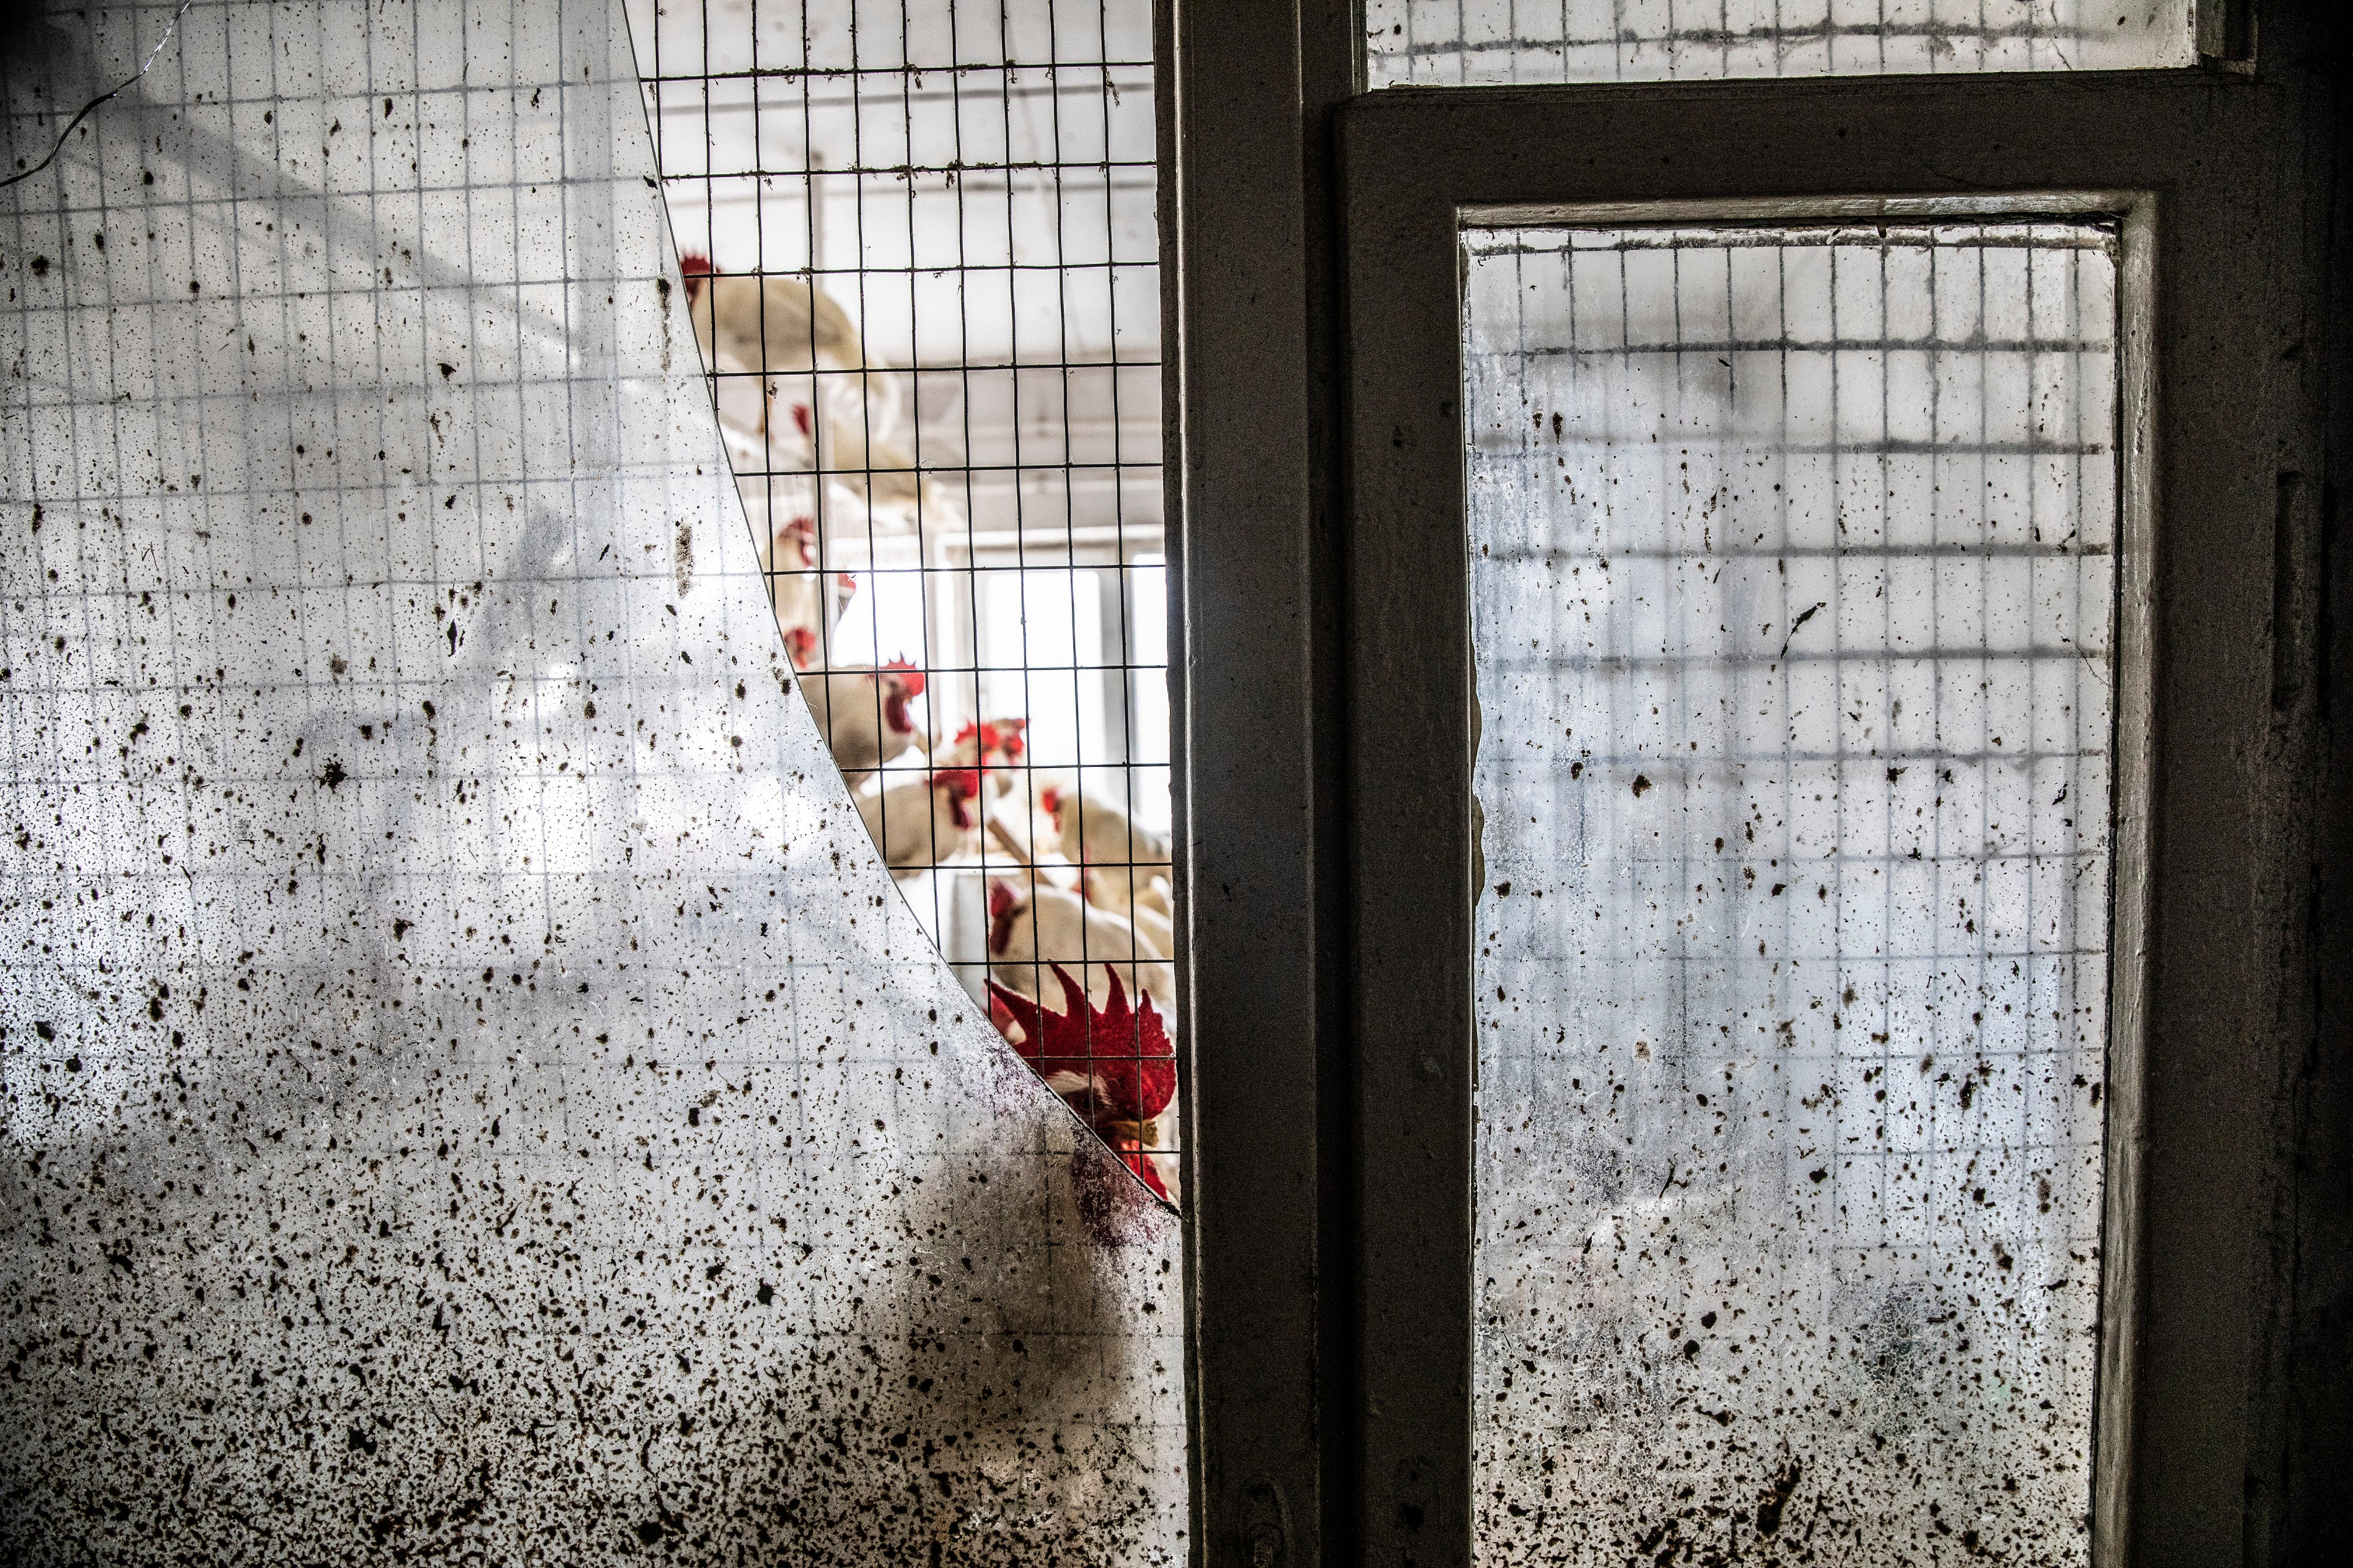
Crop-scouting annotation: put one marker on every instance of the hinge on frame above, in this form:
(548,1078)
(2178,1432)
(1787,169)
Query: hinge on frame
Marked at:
(1264,1524)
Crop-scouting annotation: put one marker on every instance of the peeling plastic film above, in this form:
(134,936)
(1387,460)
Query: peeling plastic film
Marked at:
(1793,556)
(1477,43)
(471,1090)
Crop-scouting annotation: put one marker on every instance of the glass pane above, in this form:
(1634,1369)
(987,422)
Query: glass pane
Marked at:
(472,1090)
(1793,564)
(1461,43)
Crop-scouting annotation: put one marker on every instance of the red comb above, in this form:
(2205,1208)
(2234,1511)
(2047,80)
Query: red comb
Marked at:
(962,783)
(696,267)
(910,679)
(1051,799)
(801,643)
(994,735)
(1123,1054)
(801,418)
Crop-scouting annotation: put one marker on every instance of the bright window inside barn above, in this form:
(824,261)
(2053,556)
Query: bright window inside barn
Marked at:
(919,250)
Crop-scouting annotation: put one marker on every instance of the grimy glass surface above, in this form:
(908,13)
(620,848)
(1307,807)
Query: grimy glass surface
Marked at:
(469,1089)
(1463,43)
(1792,560)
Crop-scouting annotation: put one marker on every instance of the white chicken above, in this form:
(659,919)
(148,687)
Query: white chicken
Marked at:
(791,345)
(1033,926)
(924,821)
(1147,915)
(992,745)
(753,321)
(1122,868)
(863,712)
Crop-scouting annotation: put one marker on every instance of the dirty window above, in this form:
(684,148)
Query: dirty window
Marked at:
(1451,43)
(1793,557)
(468,1087)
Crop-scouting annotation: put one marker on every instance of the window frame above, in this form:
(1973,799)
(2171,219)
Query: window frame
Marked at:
(1320,660)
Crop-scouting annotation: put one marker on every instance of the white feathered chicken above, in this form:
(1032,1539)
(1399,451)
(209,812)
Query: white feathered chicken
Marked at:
(925,820)
(992,745)
(864,713)
(1031,927)
(804,354)
(1122,868)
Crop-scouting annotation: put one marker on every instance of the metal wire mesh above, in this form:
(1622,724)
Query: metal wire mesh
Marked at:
(505,1113)
(919,255)
(1792,556)
(1458,43)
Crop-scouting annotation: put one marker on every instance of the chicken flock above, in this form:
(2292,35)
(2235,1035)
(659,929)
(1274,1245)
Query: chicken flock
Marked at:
(1076,889)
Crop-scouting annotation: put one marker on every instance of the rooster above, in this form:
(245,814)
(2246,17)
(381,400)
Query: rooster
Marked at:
(1032,929)
(1111,1065)
(1122,868)
(992,745)
(924,821)
(753,324)
(864,711)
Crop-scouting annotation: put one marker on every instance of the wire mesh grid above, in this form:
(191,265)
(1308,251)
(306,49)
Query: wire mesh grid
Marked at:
(395,779)
(1793,572)
(1454,42)
(919,251)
